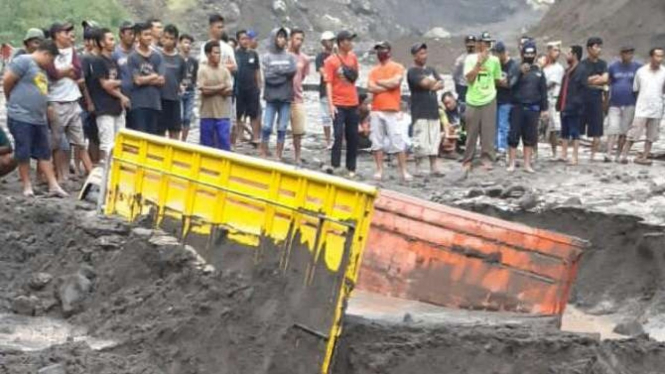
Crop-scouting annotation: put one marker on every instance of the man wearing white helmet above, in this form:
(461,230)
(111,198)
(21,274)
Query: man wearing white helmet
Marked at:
(327,42)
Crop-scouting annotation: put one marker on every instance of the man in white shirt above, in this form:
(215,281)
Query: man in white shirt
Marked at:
(649,86)
(554,72)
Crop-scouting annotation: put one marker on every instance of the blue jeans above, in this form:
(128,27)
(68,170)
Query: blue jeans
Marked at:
(216,133)
(502,126)
(187,102)
(281,110)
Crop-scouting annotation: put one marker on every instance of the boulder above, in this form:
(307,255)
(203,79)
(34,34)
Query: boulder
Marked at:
(25,305)
(39,280)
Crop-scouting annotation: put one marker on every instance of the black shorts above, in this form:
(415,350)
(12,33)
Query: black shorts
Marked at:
(90,129)
(248,104)
(592,117)
(170,118)
(523,126)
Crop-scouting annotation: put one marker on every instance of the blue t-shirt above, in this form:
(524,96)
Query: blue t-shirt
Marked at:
(29,98)
(622,77)
(121,57)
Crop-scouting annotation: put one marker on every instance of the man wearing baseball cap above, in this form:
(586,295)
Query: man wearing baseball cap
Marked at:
(622,101)
(597,79)
(31,41)
(530,99)
(470,42)
(424,82)
(384,83)
(327,42)
(483,73)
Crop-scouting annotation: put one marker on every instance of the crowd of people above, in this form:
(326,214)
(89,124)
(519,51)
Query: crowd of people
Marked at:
(67,105)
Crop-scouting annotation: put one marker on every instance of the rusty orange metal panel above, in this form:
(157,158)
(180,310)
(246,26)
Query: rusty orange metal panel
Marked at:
(433,253)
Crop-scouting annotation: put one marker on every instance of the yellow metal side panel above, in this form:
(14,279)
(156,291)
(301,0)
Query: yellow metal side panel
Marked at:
(200,188)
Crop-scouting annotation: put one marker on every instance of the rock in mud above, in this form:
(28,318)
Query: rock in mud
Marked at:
(494,191)
(74,289)
(573,201)
(25,305)
(528,201)
(110,242)
(53,369)
(514,192)
(475,192)
(39,280)
(632,329)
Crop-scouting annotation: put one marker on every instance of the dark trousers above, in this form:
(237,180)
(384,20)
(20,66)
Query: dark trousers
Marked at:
(145,120)
(345,126)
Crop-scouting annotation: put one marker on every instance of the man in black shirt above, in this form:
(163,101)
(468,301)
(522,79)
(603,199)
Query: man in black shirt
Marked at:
(597,79)
(530,104)
(327,41)
(106,93)
(247,85)
(571,103)
(504,97)
(424,82)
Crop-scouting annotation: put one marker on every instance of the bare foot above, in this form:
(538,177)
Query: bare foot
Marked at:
(529,169)
(407,178)
(510,168)
(28,192)
(57,192)
(378,176)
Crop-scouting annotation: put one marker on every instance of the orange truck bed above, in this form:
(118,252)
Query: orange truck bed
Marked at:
(418,250)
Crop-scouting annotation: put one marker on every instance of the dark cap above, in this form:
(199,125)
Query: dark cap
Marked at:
(382,45)
(417,47)
(470,39)
(593,41)
(499,47)
(627,48)
(529,47)
(345,35)
(60,26)
(486,37)
(127,25)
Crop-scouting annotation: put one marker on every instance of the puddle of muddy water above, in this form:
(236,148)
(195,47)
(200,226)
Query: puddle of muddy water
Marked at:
(37,333)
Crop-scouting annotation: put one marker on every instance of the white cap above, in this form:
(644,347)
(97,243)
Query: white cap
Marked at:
(328,35)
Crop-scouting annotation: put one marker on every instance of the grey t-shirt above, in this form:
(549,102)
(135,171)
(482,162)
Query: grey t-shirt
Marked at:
(146,97)
(174,73)
(28,100)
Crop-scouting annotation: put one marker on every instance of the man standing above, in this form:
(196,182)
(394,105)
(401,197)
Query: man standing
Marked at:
(530,98)
(327,41)
(248,85)
(214,81)
(649,85)
(386,134)
(157,30)
(483,72)
(554,75)
(106,94)
(424,82)
(458,71)
(30,43)
(298,111)
(189,83)
(26,90)
(170,120)
(120,56)
(341,73)
(504,97)
(216,32)
(596,70)
(571,103)
(64,96)
(622,101)
(147,70)
(279,69)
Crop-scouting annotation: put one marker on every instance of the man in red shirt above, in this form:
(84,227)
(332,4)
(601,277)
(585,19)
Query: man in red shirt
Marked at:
(384,83)
(341,74)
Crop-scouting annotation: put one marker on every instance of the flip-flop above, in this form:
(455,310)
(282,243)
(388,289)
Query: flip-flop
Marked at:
(59,193)
(643,161)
